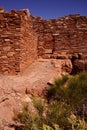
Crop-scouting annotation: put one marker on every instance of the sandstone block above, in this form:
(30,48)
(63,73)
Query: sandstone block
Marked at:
(7,48)
(8,128)
(10,54)
(48,51)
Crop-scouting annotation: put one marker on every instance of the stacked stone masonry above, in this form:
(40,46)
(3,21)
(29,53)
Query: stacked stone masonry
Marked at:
(18,42)
(24,38)
(66,35)
(63,38)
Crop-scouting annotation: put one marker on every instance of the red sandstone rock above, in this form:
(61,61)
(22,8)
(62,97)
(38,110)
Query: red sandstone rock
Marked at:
(66,35)
(16,27)
(79,65)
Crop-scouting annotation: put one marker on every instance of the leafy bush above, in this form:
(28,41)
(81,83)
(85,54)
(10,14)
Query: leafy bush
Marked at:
(39,105)
(66,109)
(77,124)
(56,91)
(30,121)
(58,113)
(47,127)
(76,94)
(71,90)
(77,89)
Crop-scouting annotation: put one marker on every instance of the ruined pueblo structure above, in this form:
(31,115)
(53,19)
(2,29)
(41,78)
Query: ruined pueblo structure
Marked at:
(25,38)
(33,52)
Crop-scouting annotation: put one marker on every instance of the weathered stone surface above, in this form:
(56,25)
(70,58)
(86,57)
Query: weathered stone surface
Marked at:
(17,37)
(79,65)
(24,38)
(65,36)
(67,66)
(8,128)
(16,90)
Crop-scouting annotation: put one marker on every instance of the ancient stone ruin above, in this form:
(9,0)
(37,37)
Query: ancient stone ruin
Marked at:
(36,51)
(18,42)
(24,38)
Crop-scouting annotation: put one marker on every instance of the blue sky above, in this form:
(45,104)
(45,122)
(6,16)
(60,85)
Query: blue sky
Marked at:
(48,9)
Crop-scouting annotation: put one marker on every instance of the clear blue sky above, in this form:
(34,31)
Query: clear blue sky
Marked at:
(48,8)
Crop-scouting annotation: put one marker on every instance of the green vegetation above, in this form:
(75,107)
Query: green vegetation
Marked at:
(57,91)
(65,106)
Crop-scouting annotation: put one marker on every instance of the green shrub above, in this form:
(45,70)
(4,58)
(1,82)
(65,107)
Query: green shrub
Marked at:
(58,113)
(76,94)
(67,109)
(56,91)
(72,91)
(47,127)
(77,89)
(30,121)
(39,105)
(77,124)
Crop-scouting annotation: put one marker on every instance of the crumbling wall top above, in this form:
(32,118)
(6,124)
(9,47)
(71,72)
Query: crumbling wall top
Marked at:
(2,10)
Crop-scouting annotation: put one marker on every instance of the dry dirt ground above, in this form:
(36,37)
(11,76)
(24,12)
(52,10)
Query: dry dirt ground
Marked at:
(14,90)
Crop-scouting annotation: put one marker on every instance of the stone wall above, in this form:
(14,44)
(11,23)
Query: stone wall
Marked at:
(28,44)
(18,44)
(66,35)
(63,38)
(24,38)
